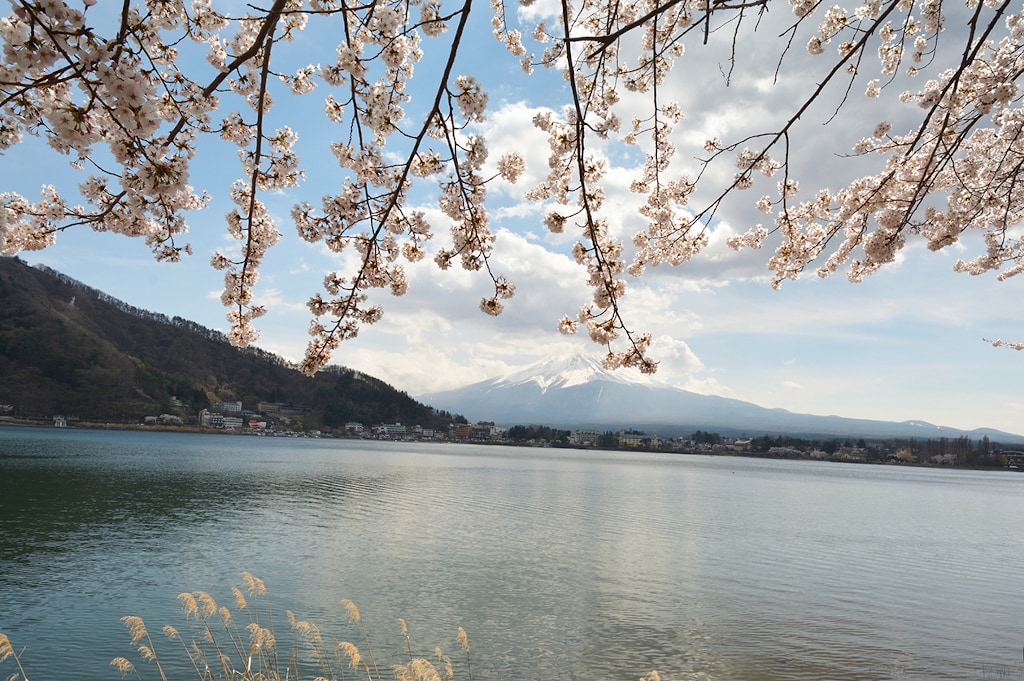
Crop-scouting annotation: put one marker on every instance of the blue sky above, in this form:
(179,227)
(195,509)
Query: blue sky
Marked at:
(904,344)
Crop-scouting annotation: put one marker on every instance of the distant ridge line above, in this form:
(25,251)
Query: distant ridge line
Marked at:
(553,392)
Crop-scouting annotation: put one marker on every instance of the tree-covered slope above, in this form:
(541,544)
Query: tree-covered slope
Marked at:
(66,348)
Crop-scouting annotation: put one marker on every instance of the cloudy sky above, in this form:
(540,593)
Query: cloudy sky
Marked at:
(907,343)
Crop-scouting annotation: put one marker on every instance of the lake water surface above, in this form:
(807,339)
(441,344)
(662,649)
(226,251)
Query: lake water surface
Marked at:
(560,564)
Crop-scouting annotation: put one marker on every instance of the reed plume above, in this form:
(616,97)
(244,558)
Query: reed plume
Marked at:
(248,653)
(355,660)
(203,607)
(136,628)
(7,651)
(124,666)
(463,640)
(137,631)
(264,638)
(206,603)
(189,605)
(240,601)
(257,659)
(351,610)
(418,669)
(350,651)
(194,654)
(311,634)
(449,672)
(353,614)
(254,585)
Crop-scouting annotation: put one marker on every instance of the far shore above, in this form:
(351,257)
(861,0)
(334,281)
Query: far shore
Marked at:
(10,421)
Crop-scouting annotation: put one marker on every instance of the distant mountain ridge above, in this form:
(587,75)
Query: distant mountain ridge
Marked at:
(578,392)
(566,372)
(66,348)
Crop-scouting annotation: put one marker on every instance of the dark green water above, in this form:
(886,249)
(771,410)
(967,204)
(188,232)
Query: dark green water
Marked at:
(560,564)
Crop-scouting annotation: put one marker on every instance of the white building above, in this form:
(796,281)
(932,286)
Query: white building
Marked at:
(584,437)
(393,430)
(211,419)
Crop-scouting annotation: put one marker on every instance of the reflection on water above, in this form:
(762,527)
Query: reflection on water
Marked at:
(561,564)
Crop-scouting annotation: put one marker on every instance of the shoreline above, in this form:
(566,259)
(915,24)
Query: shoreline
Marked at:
(201,430)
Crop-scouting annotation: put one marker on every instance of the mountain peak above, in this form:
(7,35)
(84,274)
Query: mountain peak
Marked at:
(567,371)
(576,391)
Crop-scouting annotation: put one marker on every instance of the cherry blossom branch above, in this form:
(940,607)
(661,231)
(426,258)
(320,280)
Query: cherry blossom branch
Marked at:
(347,310)
(956,168)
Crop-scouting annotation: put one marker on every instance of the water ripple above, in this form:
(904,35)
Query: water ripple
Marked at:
(562,565)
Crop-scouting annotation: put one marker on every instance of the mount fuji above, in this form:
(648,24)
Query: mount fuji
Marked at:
(578,392)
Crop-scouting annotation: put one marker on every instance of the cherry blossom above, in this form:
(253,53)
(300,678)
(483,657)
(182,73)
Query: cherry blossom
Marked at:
(131,95)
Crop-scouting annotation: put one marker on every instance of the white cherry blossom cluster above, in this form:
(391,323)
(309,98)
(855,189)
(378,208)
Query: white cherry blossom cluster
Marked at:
(115,96)
(959,171)
(369,213)
(574,177)
(967,150)
(60,80)
(119,93)
(588,54)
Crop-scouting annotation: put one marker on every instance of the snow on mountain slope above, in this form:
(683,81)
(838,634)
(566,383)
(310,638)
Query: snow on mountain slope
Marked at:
(577,392)
(565,372)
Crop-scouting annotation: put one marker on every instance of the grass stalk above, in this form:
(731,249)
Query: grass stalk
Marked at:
(7,651)
(353,613)
(258,658)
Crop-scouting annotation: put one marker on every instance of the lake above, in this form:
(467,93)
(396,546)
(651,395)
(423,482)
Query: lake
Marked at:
(560,564)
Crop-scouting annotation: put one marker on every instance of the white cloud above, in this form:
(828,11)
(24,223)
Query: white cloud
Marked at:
(272,297)
(435,337)
(708,385)
(906,343)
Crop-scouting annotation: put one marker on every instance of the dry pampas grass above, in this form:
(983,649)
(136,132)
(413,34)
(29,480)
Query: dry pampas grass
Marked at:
(215,648)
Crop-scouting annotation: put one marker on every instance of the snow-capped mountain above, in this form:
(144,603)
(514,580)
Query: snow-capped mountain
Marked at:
(578,392)
(566,372)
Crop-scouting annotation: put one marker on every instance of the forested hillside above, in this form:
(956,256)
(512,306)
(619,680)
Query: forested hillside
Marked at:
(66,348)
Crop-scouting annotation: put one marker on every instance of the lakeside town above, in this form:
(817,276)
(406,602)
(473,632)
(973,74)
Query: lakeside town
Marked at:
(285,420)
(171,374)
